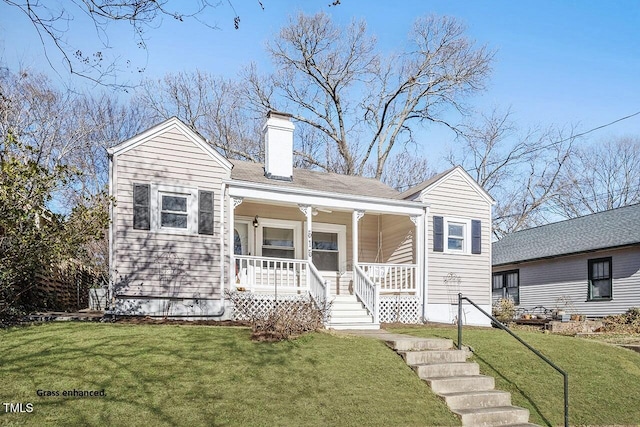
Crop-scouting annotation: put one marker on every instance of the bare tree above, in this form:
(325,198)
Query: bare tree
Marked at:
(601,176)
(523,172)
(364,103)
(210,105)
(54,20)
(406,169)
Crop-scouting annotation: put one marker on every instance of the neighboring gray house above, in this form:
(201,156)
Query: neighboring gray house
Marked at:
(589,265)
(189,224)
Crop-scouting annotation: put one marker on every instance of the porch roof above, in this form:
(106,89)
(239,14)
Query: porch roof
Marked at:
(314,180)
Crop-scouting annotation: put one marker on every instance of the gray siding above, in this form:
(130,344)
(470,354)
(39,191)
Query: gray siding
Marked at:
(156,263)
(550,282)
(454,196)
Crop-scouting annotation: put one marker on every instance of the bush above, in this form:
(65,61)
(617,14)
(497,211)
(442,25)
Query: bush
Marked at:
(504,310)
(282,320)
(628,322)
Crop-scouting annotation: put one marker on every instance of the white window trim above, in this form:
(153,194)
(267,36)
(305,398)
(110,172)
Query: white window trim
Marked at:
(296,226)
(466,243)
(157,190)
(341,231)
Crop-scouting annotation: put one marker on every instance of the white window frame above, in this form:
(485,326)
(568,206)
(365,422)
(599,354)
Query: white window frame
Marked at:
(466,238)
(157,191)
(296,226)
(341,231)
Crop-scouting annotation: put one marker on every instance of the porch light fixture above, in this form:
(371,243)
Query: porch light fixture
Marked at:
(255,221)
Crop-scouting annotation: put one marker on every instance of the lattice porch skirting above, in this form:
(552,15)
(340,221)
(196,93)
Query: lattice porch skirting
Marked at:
(258,305)
(400,309)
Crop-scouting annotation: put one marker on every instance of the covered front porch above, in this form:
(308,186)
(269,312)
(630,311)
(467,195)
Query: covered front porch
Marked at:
(328,249)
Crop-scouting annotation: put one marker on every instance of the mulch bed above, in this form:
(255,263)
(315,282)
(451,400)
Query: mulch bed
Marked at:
(139,320)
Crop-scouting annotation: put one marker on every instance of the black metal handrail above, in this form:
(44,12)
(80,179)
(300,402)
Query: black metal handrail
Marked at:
(537,353)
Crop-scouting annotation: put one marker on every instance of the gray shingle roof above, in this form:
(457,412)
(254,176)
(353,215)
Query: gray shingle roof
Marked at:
(314,180)
(608,229)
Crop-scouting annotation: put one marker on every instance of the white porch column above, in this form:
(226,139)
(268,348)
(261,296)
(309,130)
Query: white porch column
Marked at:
(234,202)
(425,288)
(419,223)
(307,211)
(355,218)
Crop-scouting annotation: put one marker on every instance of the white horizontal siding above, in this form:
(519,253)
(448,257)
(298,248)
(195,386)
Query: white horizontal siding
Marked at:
(455,197)
(156,263)
(549,283)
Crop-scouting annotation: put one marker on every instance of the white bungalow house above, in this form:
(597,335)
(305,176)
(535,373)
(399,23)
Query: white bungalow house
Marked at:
(188,224)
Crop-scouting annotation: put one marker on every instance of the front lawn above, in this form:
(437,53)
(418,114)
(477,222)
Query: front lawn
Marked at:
(604,380)
(200,375)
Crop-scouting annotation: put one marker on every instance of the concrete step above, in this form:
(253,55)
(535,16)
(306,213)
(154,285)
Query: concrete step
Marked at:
(434,356)
(347,306)
(351,320)
(442,385)
(493,416)
(477,399)
(358,326)
(455,369)
(414,343)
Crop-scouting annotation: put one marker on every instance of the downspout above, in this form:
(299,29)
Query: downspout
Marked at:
(111,277)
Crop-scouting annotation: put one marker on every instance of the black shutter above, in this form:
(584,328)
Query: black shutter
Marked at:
(205,212)
(141,213)
(476,236)
(438,234)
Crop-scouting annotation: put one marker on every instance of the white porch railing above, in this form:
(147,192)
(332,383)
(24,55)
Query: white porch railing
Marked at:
(392,278)
(318,287)
(271,274)
(280,275)
(367,291)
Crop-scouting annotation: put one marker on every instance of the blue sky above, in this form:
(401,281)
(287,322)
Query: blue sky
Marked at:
(557,62)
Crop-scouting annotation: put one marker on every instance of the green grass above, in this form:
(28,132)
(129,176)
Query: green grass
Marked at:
(604,380)
(164,375)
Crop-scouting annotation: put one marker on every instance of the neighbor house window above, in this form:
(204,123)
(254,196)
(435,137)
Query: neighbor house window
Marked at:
(506,284)
(325,253)
(600,283)
(278,242)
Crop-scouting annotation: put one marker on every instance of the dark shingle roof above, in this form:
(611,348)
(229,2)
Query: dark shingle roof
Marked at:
(608,229)
(314,180)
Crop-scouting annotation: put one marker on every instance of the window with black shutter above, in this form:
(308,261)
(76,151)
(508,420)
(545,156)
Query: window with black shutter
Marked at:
(205,212)
(141,212)
(438,234)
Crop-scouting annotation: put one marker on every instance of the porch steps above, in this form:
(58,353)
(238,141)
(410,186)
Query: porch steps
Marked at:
(349,313)
(468,394)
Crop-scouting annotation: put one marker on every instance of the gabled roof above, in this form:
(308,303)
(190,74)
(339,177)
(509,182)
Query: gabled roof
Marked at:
(609,229)
(167,125)
(434,181)
(314,180)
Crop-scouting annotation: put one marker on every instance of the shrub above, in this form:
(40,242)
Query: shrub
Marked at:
(280,320)
(504,310)
(628,322)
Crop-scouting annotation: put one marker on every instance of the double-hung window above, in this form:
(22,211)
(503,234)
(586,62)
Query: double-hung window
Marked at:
(456,233)
(600,279)
(278,242)
(173,210)
(506,284)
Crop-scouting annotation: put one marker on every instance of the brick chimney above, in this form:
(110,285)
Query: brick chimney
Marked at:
(278,146)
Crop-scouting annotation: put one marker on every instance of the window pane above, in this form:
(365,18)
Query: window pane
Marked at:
(325,241)
(278,253)
(512,280)
(277,237)
(454,244)
(456,230)
(173,220)
(325,260)
(514,295)
(174,203)
(601,288)
(497,281)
